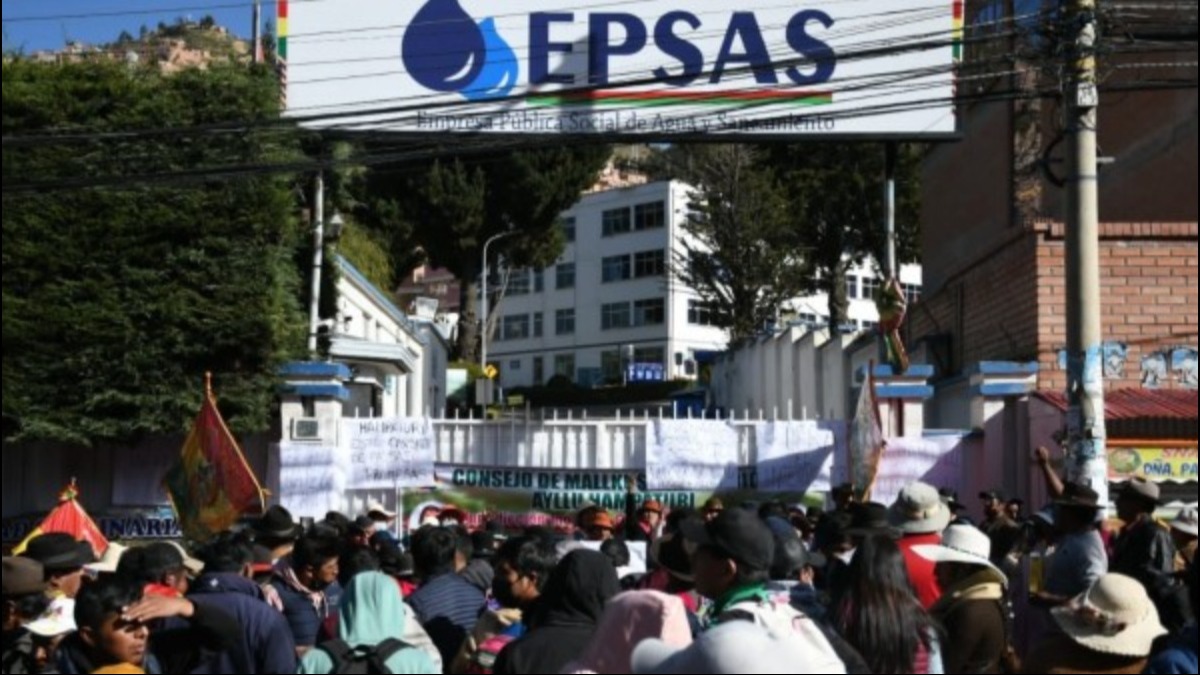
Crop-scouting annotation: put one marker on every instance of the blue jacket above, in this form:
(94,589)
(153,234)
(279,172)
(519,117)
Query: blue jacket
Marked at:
(306,625)
(1180,656)
(266,644)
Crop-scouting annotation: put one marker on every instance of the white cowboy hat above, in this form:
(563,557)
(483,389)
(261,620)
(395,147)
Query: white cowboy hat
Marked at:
(56,621)
(920,510)
(377,507)
(1186,521)
(965,545)
(109,561)
(1114,617)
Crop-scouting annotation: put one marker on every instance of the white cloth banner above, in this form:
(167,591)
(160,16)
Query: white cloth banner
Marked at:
(798,456)
(936,460)
(390,453)
(311,479)
(697,455)
(638,557)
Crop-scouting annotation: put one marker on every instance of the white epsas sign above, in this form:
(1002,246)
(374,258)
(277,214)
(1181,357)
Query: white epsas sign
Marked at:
(647,68)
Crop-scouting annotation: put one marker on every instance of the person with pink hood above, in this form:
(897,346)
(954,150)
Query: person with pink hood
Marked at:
(629,620)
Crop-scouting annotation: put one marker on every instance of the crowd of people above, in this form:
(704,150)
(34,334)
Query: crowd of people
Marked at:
(910,587)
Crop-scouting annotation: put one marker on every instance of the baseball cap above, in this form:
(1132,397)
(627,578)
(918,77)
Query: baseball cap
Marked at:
(737,534)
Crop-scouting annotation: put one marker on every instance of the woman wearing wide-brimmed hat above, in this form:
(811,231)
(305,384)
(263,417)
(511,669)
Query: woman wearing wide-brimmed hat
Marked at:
(971,609)
(1109,629)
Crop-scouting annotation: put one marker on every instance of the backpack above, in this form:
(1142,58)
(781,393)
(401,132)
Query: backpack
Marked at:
(784,621)
(362,660)
(484,660)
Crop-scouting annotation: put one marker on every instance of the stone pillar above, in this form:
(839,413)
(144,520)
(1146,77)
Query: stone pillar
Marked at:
(901,398)
(312,398)
(997,388)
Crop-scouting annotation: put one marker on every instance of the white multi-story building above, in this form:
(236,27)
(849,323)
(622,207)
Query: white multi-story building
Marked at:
(862,283)
(611,302)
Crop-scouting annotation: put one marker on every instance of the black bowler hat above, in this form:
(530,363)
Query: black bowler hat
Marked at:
(872,519)
(60,552)
(277,523)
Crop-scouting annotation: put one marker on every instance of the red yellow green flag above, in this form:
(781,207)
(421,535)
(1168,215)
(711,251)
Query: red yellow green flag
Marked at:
(70,518)
(212,485)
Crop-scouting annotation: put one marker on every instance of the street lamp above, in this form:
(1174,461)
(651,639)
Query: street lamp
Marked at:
(484,313)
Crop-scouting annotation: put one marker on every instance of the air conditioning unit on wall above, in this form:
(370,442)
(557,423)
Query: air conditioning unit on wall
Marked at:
(306,429)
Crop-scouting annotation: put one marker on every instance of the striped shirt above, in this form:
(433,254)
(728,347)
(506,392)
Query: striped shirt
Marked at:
(448,607)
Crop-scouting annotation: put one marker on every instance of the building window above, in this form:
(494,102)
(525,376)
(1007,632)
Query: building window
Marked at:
(565,274)
(564,365)
(870,287)
(651,216)
(912,292)
(650,264)
(539,325)
(701,314)
(516,327)
(610,365)
(614,316)
(852,288)
(869,325)
(617,221)
(650,312)
(568,228)
(514,365)
(539,371)
(519,283)
(648,356)
(539,281)
(617,268)
(564,322)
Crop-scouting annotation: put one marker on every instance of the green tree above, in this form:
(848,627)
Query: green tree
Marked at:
(454,206)
(742,256)
(836,194)
(118,298)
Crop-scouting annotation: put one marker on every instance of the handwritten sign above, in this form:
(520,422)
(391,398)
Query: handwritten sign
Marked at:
(936,460)
(798,456)
(390,453)
(311,479)
(701,455)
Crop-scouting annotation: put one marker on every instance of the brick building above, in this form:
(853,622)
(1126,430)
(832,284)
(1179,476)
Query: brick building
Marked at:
(993,247)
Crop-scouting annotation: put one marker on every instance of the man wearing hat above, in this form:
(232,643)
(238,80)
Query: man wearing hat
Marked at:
(24,601)
(921,517)
(641,524)
(1111,628)
(1183,531)
(384,521)
(277,531)
(600,526)
(1004,532)
(1146,552)
(63,559)
(1080,559)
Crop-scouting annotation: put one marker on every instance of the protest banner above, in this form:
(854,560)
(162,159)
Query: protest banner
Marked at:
(390,453)
(693,455)
(798,456)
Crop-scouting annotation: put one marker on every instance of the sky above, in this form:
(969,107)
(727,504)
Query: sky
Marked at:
(79,19)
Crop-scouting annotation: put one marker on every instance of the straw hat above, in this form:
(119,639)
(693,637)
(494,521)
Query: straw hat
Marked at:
(109,561)
(919,510)
(1114,617)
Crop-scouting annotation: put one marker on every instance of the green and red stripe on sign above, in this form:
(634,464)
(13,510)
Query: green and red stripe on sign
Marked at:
(281,28)
(959,23)
(650,99)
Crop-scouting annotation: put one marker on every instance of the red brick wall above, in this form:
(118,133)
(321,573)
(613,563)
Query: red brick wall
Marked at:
(1149,287)
(1011,305)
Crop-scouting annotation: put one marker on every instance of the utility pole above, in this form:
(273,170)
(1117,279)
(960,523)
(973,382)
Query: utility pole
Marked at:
(1086,437)
(893,268)
(314,308)
(256,33)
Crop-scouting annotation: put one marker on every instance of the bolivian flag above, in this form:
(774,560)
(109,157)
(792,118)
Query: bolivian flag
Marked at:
(69,518)
(212,485)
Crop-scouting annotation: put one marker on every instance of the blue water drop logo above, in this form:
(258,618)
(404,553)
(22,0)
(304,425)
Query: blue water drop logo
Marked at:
(445,50)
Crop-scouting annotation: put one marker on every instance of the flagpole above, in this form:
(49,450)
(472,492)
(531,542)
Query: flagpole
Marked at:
(208,389)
